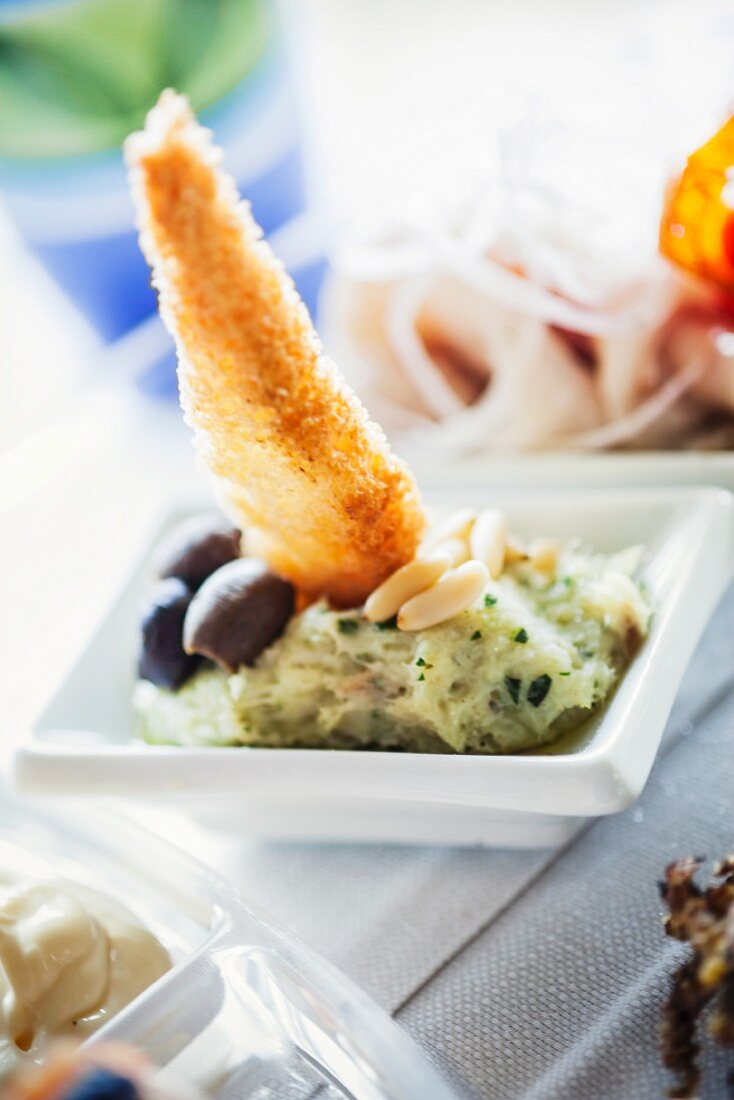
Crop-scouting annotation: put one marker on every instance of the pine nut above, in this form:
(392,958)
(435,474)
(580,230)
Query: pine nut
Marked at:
(457,550)
(406,582)
(454,592)
(515,552)
(489,540)
(456,526)
(544,555)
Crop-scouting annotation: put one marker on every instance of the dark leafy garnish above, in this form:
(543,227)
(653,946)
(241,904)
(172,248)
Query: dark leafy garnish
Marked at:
(421,677)
(564,673)
(522,635)
(490,601)
(475,635)
(539,689)
(421,663)
(513,687)
(347,626)
(388,624)
(700,916)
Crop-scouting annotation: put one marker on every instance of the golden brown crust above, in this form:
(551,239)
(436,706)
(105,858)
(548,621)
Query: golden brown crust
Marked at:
(292,449)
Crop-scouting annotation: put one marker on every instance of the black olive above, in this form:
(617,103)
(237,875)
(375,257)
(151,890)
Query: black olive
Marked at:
(162,658)
(197,547)
(237,613)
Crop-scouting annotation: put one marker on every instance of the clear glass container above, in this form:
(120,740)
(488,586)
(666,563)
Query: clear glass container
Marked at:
(247,1010)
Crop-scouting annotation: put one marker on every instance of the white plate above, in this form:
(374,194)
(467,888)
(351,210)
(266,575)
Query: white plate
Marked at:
(247,1010)
(579,470)
(81,744)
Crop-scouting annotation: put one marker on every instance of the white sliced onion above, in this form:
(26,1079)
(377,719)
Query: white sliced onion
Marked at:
(643,417)
(402,330)
(517,292)
(538,394)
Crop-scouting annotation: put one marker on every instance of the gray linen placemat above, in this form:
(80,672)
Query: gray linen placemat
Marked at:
(561,995)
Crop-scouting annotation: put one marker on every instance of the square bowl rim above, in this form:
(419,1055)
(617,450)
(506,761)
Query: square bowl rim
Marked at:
(600,772)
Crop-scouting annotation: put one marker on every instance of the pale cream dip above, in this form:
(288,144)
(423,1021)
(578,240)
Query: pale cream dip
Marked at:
(70,958)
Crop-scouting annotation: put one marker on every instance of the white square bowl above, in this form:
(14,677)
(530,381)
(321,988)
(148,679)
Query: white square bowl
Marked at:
(82,743)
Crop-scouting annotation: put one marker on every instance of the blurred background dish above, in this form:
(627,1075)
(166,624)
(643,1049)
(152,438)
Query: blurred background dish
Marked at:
(407,140)
(542,309)
(76,77)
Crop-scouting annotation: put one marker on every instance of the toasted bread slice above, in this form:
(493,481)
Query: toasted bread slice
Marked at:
(292,449)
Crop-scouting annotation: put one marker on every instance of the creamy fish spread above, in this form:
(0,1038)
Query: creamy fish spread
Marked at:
(532,657)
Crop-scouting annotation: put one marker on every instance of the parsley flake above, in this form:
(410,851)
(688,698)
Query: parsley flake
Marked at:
(421,663)
(489,601)
(347,626)
(513,687)
(475,635)
(421,677)
(539,689)
(388,624)
(522,635)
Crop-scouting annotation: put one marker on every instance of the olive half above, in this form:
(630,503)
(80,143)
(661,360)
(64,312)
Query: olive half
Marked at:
(237,613)
(197,547)
(162,659)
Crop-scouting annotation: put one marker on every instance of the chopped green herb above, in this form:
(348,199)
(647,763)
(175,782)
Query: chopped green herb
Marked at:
(521,636)
(567,581)
(539,689)
(564,673)
(475,635)
(347,626)
(388,624)
(513,687)
(421,677)
(489,601)
(421,663)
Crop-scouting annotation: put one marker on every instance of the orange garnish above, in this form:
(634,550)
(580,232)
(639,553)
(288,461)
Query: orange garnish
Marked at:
(697,227)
